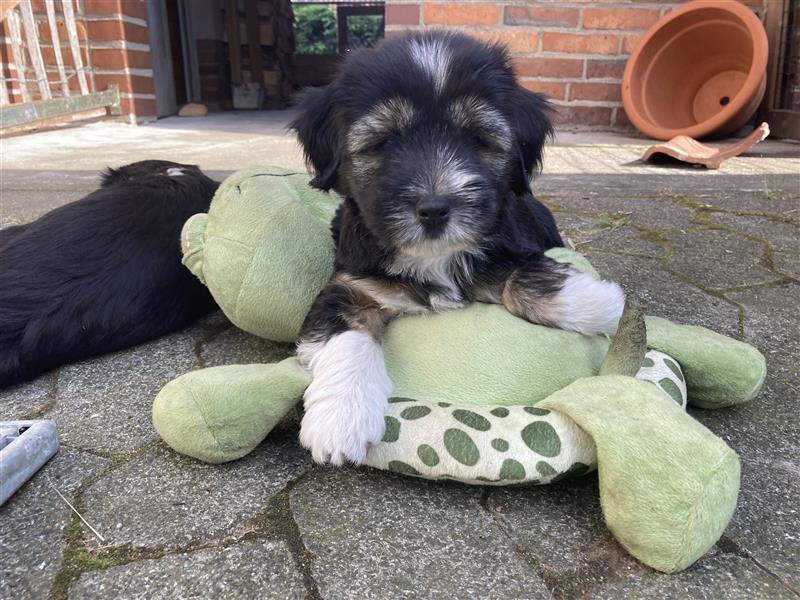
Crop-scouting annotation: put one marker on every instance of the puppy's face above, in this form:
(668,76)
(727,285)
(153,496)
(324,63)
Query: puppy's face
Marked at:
(428,134)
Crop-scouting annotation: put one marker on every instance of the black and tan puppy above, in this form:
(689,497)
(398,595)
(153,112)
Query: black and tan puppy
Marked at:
(102,273)
(432,143)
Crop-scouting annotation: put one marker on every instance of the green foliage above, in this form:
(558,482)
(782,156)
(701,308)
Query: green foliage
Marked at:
(363,30)
(315,29)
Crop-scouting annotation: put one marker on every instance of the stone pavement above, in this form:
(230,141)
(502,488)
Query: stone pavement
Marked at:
(719,249)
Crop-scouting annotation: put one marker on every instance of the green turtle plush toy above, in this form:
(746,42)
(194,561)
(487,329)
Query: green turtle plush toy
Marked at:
(480,396)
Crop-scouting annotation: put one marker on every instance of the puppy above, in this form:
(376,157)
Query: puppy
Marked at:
(103,273)
(431,142)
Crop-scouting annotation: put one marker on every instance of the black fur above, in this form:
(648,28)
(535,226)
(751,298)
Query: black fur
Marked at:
(102,273)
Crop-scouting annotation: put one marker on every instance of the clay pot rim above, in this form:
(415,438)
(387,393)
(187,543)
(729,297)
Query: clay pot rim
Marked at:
(752,83)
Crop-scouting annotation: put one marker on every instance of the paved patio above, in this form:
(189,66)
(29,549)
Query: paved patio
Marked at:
(719,249)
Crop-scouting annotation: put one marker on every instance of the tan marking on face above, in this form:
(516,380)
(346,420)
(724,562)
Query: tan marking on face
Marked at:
(384,118)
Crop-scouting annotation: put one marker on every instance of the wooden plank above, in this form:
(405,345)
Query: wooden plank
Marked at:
(254,41)
(35,52)
(12,18)
(776,19)
(74,44)
(53,24)
(4,99)
(784,123)
(234,40)
(29,112)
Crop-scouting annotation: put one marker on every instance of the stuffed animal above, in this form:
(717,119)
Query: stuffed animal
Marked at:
(480,396)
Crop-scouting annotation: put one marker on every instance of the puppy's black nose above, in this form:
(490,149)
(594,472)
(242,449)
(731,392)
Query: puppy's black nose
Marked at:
(433,210)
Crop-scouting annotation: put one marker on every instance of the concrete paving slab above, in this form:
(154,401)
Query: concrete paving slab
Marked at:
(160,499)
(388,537)
(254,569)
(32,525)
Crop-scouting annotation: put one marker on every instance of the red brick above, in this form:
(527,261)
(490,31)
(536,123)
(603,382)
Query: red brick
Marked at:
(622,120)
(130,84)
(583,115)
(619,18)
(115,30)
(461,14)
(402,14)
(605,68)
(49,56)
(138,107)
(549,67)
(393,33)
(119,58)
(63,36)
(541,16)
(556,90)
(131,8)
(629,42)
(608,92)
(555,41)
(519,42)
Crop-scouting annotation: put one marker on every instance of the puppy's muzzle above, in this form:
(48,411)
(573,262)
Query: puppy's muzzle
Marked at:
(433,213)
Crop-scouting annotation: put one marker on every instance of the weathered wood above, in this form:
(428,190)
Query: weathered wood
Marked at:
(254,41)
(53,24)
(234,41)
(74,44)
(34,51)
(18,114)
(12,18)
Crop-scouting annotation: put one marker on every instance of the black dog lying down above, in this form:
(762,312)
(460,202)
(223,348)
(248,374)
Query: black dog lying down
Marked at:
(103,273)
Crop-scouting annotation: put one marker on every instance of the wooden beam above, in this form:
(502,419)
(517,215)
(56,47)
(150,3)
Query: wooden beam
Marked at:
(35,52)
(12,18)
(74,44)
(53,24)
(29,112)
(234,41)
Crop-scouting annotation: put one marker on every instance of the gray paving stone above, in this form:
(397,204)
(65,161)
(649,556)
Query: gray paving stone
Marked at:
(28,399)
(105,403)
(722,577)
(376,535)
(560,527)
(718,259)
(663,294)
(234,346)
(780,235)
(249,570)
(160,498)
(32,525)
(766,523)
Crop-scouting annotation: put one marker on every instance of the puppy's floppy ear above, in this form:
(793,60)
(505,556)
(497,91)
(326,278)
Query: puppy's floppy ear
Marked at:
(318,133)
(532,127)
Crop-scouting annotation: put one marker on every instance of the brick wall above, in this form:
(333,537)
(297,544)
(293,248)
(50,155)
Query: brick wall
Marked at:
(573,51)
(115,49)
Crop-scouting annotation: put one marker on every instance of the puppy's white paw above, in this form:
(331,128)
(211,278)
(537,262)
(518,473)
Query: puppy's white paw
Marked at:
(346,401)
(339,430)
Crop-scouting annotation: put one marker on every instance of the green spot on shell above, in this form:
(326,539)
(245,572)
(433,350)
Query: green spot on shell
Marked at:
(392,433)
(539,412)
(540,437)
(512,469)
(443,404)
(545,469)
(500,411)
(647,362)
(415,412)
(461,447)
(499,445)
(398,400)
(471,419)
(428,455)
(674,368)
(399,466)
(672,389)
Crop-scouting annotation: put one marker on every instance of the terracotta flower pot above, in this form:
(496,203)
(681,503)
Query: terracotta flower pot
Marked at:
(700,71)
